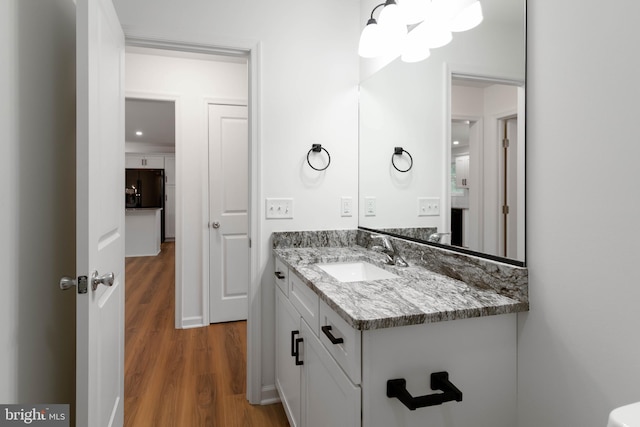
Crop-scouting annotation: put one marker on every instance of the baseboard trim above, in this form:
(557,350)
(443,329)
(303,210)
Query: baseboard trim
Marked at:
(192,322)
(269,395)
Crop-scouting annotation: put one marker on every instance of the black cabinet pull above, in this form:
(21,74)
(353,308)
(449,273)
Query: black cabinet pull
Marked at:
(439,381)
(293,339)
(298,361)
(279,275)
(327,331)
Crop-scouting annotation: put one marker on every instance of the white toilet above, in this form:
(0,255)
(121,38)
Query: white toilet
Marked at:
(625,416)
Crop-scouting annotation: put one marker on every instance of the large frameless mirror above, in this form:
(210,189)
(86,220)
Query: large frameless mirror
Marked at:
(442,141)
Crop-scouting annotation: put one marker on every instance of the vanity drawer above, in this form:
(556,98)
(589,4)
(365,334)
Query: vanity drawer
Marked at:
(305,301)
(282,276)
(342,341)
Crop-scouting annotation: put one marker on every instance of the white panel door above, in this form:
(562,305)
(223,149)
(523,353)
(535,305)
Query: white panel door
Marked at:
(100,214)
(228,213)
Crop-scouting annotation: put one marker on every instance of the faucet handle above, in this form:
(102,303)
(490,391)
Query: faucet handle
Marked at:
(386,243)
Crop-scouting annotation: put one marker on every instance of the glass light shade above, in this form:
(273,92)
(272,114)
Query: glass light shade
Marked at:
(469,17)
(435,32)
(413,11)
(391,16)
(393,30)
(370,41)
(415,50)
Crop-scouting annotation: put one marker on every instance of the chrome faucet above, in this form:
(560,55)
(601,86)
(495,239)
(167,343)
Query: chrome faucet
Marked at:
(437,237)
(387,248)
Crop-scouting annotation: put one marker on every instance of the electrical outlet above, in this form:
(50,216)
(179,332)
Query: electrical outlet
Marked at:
(369,206)
(279,208)
(346,206)
(428,206)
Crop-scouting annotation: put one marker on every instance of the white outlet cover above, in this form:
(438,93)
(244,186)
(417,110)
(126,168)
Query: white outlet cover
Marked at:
(346,206)
(369,206)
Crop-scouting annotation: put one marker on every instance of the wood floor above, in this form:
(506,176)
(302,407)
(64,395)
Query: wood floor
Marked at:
(182,377)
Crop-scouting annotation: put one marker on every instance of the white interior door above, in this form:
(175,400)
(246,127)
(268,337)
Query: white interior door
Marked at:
(228,212)
(100,214)
(511,184)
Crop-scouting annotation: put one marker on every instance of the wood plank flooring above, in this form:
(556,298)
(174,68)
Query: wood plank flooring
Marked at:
(182,377)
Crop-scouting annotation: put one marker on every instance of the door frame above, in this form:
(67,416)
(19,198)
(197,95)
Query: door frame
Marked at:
(251,49)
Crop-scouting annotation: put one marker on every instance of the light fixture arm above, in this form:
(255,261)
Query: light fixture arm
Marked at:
(374,10)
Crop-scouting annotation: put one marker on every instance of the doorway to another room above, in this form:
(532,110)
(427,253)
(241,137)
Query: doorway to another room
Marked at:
(204,254)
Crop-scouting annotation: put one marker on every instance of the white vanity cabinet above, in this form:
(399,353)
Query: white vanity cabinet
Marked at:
(343,374)
(313,388)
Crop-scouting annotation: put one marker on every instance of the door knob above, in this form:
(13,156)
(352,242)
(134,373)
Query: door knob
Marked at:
(215,224)
(105,279)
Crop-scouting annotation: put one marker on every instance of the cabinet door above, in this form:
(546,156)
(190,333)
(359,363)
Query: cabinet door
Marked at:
(462,172)
(141,161)
(478,353)
(170,170)
(133,161)
(329,398)
(287,372)
(170,212)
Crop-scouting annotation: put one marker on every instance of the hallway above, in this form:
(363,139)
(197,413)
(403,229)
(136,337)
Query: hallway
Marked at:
(182,377)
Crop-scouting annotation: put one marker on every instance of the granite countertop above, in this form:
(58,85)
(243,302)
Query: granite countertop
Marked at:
(417,296)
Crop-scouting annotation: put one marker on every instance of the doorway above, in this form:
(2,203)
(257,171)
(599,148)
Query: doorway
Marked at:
(192,249)
(491,195)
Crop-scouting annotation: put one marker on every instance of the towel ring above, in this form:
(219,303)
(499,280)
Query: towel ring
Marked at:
(316,148)
(397,151)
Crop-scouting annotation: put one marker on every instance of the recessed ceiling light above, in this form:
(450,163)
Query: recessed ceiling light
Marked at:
(456,142)
(139,132)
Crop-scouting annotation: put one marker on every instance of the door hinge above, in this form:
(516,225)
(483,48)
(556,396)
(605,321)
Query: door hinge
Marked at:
(505,210)
(249,242)
(505,143)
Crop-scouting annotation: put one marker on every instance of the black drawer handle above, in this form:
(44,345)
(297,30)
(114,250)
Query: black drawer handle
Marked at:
(439,381)
(327,332)
(298,361)
(279,275)
(293,340)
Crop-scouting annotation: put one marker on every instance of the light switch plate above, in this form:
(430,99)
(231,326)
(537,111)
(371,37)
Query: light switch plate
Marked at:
(428,206)
(369,206)
(346,206)
(279,208)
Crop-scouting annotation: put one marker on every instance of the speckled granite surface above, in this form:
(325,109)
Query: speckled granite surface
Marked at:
(417,295)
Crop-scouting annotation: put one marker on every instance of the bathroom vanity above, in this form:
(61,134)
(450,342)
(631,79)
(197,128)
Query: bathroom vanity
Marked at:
(403,347)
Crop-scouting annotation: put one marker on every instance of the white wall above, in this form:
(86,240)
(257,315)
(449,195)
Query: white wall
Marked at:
(308,94)
(37,167)
(579,352)
(192,82)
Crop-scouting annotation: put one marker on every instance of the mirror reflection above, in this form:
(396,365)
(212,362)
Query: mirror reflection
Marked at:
(469,194)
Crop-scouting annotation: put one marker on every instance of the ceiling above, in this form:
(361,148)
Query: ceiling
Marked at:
(155,119)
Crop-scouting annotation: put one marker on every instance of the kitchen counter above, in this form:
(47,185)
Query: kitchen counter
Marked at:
(142,231)
(417,296)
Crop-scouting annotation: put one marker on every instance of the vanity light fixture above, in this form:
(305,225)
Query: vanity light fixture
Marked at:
(411,28)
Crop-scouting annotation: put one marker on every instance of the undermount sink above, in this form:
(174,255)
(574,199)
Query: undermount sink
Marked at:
(358,271)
